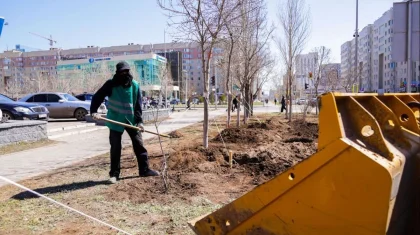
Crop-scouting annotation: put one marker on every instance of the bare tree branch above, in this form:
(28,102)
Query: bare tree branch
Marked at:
(294,21)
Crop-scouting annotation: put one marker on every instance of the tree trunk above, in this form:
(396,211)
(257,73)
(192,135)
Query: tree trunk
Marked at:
(206,120)
(290,95)
(238,113)
(251,103)
(246,103)
(229,99)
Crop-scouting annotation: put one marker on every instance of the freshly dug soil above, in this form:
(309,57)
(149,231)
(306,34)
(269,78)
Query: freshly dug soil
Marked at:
(260,150)
(175,134)
(197,177)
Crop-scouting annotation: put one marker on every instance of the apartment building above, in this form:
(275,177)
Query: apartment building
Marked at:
(365,58)
(146,69)
(18,64)
(305,63)
(347,59)
(377,45)
(406,44)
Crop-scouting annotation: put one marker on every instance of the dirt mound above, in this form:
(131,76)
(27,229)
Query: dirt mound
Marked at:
(185,160)
(239,135)
(175,134)
(264,164)
(277,123)
(260,125)
(298,139)
(261,150)
(306,129)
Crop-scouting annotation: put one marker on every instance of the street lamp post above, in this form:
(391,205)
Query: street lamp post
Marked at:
(356,36)
(186,85)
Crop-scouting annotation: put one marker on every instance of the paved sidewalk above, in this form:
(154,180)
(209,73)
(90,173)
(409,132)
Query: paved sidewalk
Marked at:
(72,149)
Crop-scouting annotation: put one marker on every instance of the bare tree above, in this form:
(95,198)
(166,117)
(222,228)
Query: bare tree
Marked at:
(96,76)
(232,33)
(200,22)
(165,82)
(14,87)
(323,57)
(332,79)
(294,21)
(253,52)
(348,79)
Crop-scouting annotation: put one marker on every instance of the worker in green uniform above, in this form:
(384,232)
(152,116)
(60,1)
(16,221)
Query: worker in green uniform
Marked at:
(124,105)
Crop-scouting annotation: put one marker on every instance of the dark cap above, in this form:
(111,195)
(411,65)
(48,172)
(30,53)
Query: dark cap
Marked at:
(122,66)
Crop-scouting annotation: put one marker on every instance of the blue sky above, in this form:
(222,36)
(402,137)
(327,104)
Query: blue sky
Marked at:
(80,23)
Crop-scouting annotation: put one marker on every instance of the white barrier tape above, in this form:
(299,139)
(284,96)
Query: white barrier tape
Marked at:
(65,206)
(220,133)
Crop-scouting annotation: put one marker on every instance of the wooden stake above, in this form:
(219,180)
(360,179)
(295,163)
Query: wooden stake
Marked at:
(230,158)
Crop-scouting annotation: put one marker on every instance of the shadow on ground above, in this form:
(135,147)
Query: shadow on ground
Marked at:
(58,189)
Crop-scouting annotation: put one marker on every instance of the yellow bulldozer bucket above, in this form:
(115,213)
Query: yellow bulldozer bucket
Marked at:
(364,179)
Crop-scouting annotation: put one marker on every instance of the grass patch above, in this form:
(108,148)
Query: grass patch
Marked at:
(22,146)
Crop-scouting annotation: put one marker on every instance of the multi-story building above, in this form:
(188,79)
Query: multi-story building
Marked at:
(174,59)
(365,57)
(182,55)
(406,45)
(305,63)
(11,66)
(145,68)
(347,59)
(377,44)
(383,72)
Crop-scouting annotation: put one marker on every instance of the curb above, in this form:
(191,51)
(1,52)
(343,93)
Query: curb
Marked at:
(75,132)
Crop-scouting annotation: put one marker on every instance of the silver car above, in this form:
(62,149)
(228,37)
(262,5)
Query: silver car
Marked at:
(60,105)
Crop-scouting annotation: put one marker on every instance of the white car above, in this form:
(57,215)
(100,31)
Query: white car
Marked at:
(301,101)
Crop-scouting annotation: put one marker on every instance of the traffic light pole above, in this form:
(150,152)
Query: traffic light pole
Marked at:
(215,86)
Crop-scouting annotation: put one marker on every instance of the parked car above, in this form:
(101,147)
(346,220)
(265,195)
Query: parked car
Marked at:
(175,101)
(88,97)
(301,101)
(60,105)
(13,110)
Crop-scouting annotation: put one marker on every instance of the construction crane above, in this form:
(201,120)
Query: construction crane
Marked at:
(49,39)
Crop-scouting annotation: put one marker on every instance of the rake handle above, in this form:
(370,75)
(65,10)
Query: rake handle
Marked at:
(133,127)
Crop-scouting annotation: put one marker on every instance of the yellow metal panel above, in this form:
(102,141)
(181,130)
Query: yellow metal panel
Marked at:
(364,179)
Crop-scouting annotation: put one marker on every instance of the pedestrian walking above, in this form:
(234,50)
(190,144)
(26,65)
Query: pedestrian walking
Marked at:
(124,97)
(275,101)
(283,103)
(235,104)
(189,103)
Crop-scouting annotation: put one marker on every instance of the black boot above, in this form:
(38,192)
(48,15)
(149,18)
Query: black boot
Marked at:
(148,173)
